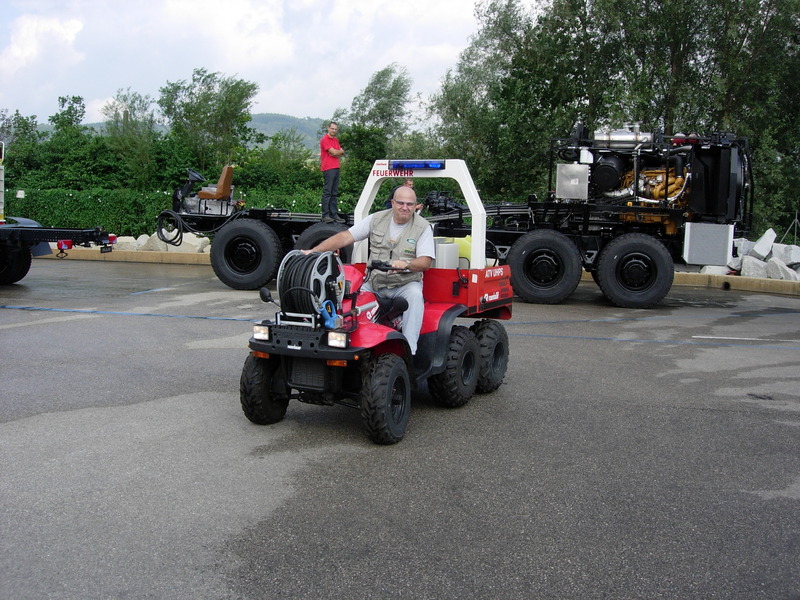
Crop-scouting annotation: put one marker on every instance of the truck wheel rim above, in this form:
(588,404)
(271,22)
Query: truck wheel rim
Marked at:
(544,268)
(636,271)
(242,255)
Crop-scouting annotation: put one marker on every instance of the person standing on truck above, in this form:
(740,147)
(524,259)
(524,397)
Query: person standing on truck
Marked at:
(329,154)
(404,239)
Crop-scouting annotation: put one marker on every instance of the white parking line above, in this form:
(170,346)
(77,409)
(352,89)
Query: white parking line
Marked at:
(741,339)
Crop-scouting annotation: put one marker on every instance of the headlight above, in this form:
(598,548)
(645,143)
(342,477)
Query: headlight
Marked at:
(261,332)
(337,339)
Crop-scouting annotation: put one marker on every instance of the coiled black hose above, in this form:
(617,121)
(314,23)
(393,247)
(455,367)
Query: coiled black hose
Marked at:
(295,275)
(177,226)
(305,281)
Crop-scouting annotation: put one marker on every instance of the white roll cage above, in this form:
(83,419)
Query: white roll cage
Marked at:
(450,168)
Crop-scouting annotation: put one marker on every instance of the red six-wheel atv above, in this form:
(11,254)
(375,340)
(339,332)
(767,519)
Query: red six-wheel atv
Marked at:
(333,343)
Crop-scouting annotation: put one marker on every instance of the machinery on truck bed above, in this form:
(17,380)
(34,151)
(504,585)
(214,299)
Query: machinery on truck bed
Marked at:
(624,205)
(333,343)
(248,244)
(22,239)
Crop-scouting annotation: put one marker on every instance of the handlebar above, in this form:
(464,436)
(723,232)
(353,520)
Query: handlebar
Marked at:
(384,265)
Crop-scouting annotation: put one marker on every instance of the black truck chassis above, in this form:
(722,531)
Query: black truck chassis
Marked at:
(21,242)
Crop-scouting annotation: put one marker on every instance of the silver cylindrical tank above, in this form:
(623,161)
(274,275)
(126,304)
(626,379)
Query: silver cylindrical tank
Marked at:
(622,138)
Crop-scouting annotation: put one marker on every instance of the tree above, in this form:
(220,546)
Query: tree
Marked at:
(280,167)
(754,83)
(22,140)
(132,135)
(469,123)
(70,115)
(74,156)
(363,146)
(415,144)
(16,127)
(382,104)
(672,65)
(290,146)
(210,114)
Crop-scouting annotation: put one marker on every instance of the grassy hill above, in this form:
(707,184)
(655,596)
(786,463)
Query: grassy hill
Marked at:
(310,128)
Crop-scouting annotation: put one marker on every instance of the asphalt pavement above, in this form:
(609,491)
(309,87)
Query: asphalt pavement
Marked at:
(628,454)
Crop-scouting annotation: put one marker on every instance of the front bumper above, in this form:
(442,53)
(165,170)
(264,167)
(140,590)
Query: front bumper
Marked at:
(302,342)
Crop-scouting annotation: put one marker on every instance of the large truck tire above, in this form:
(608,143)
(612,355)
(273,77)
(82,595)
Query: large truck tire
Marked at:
(493,343)
(457,383)
(14,264)
(545,266)
(246,254)
(320,232)
(635,271)
(263,395)
(386,399)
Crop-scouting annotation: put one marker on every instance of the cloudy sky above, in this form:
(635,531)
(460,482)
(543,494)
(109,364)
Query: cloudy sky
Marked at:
(308,57)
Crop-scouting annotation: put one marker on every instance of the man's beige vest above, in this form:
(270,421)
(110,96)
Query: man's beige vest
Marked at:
(403,248)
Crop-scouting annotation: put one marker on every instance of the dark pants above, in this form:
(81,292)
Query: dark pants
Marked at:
(330,191)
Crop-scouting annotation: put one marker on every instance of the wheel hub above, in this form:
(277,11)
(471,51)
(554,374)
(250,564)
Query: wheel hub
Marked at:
(544,268)
(243,256)
(636,271)
(398,406)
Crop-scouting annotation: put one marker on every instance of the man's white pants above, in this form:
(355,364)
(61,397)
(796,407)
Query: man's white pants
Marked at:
(412,318)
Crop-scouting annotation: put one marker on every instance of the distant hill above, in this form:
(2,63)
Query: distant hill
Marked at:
(272,123)
(266,123)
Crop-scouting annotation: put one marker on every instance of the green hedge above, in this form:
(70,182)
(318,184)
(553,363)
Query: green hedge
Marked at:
(299,200)
(128,212)
(122,212)
(125,212)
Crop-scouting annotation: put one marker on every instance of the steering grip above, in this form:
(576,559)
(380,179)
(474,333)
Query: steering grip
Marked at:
(385,265)
(381,265)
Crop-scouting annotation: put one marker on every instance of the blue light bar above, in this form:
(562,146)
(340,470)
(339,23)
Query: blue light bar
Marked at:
(415,164)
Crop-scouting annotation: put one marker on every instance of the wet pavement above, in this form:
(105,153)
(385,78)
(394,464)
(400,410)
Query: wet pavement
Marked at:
(628,454)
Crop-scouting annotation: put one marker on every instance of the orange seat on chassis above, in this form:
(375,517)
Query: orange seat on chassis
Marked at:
(223,187)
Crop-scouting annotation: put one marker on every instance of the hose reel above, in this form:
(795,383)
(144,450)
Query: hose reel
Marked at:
(307,281)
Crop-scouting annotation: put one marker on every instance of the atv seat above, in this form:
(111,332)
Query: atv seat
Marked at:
(222,191)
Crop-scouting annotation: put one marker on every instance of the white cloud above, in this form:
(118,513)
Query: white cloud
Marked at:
(241,32)
(39,41)
(94,109)
(308,57)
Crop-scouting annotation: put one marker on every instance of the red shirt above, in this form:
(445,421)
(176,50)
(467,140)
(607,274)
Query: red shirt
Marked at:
(326,160)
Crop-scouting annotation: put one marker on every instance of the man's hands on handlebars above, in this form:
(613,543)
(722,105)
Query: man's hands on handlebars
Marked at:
(390,265)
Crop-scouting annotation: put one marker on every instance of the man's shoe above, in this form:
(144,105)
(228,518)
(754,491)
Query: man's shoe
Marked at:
(327,220)
(339,220)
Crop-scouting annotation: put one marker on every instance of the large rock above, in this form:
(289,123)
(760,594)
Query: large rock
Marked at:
(763,246)
(715,270)
(743,246)
(190,243)
(788,255)
(776,269)
(154,244)
(126,242)
(752,267)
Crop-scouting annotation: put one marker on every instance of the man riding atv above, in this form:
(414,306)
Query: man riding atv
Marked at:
(335,339)
(404,240)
